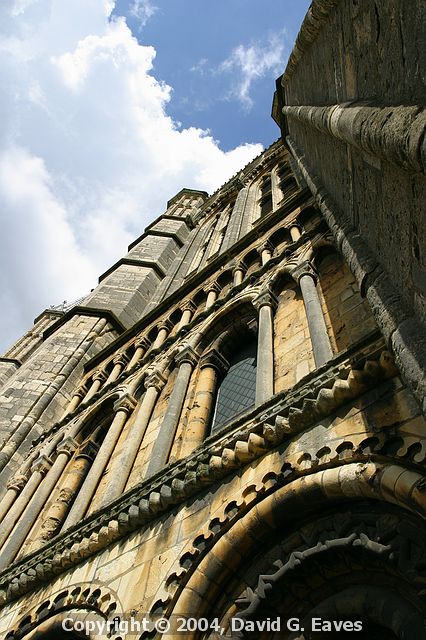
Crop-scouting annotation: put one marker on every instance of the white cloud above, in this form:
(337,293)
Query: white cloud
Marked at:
(248,64)
(142,10)
(88,154)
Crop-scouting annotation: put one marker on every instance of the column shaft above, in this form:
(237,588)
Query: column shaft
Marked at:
(57,512)
(161,336)
(211,298)
(164,441)
(295,233)
(30,515)
(19,505)
(185,319)
(318,331)
(200,415)
(238,277)
(265,355)
(91,482)
(122,467)
(139,353)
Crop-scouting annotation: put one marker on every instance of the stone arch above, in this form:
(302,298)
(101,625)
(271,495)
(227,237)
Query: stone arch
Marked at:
(82,602)
(390,487)
(347,316)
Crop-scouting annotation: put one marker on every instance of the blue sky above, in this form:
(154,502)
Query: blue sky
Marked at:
(201,50)
(108,109)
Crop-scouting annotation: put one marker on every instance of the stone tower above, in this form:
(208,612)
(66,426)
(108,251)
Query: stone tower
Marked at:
(228,431)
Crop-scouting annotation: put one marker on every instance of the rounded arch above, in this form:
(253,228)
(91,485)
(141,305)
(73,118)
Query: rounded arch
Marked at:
(345,496)
(79,602)
(238,311)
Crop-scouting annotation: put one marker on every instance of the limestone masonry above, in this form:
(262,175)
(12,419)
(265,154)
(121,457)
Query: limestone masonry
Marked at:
(231,426)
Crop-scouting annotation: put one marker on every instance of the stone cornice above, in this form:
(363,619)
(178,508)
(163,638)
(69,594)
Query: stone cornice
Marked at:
(85,311)
(317,15)
(248,437)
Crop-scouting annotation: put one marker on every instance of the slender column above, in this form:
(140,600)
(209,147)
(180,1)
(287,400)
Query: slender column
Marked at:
(141,347)
(58,509)
(98,378)
(163,332)
(306,277)
(120,471)
(276,194)
(265,303)
(238,273)
(189,309)
(163,444)
(295,232)
(39,469)
(119,361)
(265,250)
(212,291)
(14,487)
(13,545)
(211,365)
(122,407)
(76,399)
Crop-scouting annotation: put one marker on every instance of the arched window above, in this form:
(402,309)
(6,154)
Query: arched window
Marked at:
(266,195)
(237,390)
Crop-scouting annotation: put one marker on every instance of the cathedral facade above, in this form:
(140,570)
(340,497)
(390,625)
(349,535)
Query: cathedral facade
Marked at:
(226,438)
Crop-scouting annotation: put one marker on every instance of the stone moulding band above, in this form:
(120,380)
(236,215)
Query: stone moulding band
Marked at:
(250,438)
(317,16)
(393,133)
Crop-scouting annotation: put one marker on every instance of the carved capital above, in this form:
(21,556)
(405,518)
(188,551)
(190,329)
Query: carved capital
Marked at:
(303,269)
(126,404)
(189,306)
(187,355)
(155,379)
(42,464)
(100,375)
(213,286)
(120,358)
(239,266)
(265,245)
(88,450)
(265,299)
(68,445)
(17,483)
(213,358)
(142,343)
(81,392)
(165,324)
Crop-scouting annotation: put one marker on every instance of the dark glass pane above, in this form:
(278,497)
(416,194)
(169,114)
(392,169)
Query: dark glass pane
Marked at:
(237,391)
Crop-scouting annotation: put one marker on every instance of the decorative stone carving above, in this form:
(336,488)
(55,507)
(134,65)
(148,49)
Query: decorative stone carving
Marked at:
(126,404)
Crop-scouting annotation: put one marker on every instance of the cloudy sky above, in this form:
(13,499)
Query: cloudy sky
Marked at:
(107,110)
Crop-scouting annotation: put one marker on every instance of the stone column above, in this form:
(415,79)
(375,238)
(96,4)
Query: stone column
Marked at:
(76,399)
(38,470)
(188,310)
(265,303)
(122,407)
(14,488)
(57,512)
(163,332)
(98,378)
(64,451)
(212,364)
(238,273)
(186,360)
(275,188)
(141,347)
(212,291)
(295,232)
(123,465)
(119,361)
(265,250)
(306,277)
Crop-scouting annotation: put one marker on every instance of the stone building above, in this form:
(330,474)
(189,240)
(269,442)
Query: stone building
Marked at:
(230,427)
